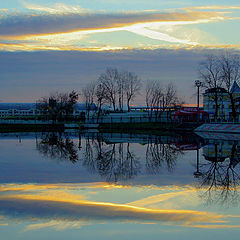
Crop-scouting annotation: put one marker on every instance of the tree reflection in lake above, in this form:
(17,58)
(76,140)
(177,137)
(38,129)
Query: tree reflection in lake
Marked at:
(115,157)
(220,172)
(112,161)
(57,146)
(158,154)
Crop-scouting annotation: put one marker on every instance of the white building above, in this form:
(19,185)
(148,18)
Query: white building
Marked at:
(220,97)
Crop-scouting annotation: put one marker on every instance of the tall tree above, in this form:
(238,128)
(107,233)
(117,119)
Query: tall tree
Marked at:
(210,74)
(108,81)
(88,93)
(132,86)
(230,73)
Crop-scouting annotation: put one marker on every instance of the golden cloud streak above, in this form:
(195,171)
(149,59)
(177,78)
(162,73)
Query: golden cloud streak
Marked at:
(213,7)
(63,207)
(58,8)
(212,226)
(73,210)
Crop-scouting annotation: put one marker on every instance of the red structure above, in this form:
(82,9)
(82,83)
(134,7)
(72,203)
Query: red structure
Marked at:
(189,114)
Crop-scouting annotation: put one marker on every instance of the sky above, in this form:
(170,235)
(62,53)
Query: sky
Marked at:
(60,45)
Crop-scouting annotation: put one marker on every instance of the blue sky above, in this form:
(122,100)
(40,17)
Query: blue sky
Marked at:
(103,27)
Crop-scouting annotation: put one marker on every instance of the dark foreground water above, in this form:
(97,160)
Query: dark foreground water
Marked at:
(119,186)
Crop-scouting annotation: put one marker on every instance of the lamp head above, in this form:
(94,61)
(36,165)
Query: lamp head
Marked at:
(198,83)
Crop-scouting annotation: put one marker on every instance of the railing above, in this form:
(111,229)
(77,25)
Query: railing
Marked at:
(130,119)
(230,121)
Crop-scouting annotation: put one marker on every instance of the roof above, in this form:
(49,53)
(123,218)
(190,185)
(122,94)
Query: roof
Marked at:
(217,89)
(235,88)
(189,113)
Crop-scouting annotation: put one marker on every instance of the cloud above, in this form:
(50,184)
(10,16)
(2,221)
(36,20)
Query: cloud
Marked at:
(58,8)
(213,7)
(38,24)
(67,27)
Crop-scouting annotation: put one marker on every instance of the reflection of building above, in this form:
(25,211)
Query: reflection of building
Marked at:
(218,151)
(216,101)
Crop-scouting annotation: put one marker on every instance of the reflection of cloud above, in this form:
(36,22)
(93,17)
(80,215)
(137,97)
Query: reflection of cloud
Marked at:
(60,206)
(57,225)
(61,186)
(212,226)
(159,198)
(27,208)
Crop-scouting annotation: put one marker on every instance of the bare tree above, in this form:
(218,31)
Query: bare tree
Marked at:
(170,96)
(154,95)
(230,72)
(88,94)
(100,96)
(119,87)
(108,81)
(132,86)
(210,74)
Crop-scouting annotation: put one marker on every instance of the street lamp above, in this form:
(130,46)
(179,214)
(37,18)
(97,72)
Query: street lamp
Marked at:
(198,84)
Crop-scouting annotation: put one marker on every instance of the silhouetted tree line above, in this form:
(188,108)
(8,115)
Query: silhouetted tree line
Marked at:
(114,87)
(59,106)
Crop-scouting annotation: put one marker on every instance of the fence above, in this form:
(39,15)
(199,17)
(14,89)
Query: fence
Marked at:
(130,119)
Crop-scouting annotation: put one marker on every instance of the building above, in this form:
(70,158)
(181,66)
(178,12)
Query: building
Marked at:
(30,110)
(217,102)
(189,114)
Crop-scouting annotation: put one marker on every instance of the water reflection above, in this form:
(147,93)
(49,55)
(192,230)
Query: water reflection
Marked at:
(220,171)
(149,179)
(57,146)
(114,162)
(115,158)
(159,154)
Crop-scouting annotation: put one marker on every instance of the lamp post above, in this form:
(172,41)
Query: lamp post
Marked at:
(198,84)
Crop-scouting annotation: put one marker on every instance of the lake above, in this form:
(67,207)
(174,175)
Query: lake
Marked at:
(119,186)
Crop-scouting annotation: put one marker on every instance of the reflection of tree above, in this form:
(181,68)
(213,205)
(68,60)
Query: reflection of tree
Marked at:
(114,162)
(158,155)
(56,146)
(220,176)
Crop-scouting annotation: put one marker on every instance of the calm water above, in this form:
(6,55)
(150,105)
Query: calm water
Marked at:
(119,186)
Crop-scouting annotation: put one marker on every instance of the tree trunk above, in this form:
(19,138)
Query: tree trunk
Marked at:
(216,106)
(234,114)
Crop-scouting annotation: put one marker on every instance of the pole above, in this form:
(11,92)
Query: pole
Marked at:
(198,85)
(198,105)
